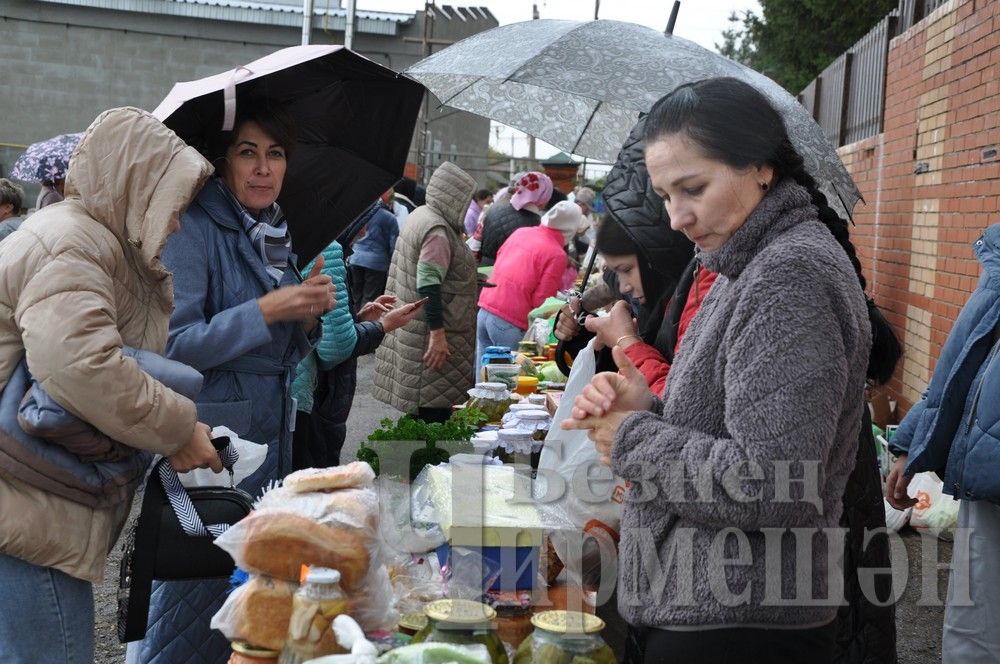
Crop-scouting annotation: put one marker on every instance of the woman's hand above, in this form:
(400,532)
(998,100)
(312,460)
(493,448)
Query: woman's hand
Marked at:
(437,349)
(618,325)
(382,305)
(400,316)
(612,392)
(601,430)
(566,326)
(896,484)
(198,453)
(303,302)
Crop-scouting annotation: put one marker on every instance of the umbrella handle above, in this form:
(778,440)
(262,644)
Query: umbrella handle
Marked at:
(229,98)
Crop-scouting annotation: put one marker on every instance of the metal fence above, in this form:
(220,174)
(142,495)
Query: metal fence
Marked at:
(848,98)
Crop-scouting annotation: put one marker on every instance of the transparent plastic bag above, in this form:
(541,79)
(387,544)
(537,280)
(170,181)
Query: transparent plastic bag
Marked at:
(257,612)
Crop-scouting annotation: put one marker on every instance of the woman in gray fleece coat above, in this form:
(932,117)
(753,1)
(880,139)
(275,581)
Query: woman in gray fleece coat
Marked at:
(730,544)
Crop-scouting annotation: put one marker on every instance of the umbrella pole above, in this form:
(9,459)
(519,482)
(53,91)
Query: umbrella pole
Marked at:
(673,18)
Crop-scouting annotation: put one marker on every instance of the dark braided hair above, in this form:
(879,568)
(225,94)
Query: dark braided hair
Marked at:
(733,123)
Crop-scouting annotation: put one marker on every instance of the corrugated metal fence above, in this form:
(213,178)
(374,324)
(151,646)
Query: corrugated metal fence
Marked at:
(848,98)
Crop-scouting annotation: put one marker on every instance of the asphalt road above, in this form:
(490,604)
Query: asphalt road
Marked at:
(919,612)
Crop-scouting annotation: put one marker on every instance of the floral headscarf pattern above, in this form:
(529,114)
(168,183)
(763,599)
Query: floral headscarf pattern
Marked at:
(533,187)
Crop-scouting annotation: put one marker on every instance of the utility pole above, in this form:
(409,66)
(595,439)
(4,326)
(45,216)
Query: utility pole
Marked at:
(307,17)
(349,25)
(531,139)
(425,50)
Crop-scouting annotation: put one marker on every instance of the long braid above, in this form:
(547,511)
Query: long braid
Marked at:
(886,349)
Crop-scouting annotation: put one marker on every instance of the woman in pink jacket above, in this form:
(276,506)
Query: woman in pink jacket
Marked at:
(528,269)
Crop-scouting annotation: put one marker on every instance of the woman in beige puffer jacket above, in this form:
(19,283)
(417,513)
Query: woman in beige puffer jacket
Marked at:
(77,281)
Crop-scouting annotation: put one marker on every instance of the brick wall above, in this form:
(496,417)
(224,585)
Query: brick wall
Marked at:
(930,189)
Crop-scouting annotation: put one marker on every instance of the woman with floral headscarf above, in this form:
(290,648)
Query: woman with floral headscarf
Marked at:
(531,195)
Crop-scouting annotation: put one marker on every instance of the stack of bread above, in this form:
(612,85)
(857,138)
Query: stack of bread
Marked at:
(320,517)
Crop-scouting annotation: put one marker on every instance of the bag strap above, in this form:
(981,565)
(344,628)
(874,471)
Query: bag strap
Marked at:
(180,501)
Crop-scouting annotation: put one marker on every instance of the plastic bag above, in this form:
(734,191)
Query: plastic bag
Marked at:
(569,472)
(335,529)
(935,511)
(257,612)
(421,653)
(895,519)
(251,457)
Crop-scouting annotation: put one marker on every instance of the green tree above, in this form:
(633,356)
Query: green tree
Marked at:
(792,41)
(735,42)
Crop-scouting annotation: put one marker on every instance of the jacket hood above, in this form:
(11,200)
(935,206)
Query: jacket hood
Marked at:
(987,249)
(632,203)
(136,177)
(449,193)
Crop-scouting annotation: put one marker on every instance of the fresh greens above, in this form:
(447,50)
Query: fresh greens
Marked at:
(456,433)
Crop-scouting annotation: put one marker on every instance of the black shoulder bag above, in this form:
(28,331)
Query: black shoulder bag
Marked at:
(170,541)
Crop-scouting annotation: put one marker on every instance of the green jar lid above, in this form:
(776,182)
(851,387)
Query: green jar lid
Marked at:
(567,622)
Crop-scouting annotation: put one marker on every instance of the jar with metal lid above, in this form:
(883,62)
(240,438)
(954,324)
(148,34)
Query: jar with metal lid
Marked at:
(565,636)
(462,622)
(493,399)
(244,653)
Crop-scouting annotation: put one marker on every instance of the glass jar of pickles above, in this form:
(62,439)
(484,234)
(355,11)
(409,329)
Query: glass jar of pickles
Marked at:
(493,399)
(314,606)
(562,637)
(462,622)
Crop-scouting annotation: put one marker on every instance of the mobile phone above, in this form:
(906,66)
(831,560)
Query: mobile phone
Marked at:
(419,303)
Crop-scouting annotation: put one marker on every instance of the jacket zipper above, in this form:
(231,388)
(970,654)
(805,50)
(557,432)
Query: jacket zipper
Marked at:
(979,388)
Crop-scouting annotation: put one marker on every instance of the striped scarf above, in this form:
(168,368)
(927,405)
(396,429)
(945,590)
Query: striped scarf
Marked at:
(268,233)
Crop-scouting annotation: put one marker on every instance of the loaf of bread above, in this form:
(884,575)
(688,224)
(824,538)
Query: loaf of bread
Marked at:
(354,475)
(345,507)
(257,612)
(278,544)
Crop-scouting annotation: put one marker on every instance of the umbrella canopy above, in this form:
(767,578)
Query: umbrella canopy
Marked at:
(580,85)
(354,118)
(46,161)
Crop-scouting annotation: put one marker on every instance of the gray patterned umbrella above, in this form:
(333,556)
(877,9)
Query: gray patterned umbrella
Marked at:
(580,85)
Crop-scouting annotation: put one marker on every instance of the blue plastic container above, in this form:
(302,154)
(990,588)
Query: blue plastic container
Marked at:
(524,567)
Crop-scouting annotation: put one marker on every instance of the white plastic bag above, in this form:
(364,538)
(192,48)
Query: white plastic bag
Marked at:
(895,519)
(251,458)
(594,505)
(935,511)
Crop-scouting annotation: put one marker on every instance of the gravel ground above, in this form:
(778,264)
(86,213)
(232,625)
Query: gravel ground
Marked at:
(918,622)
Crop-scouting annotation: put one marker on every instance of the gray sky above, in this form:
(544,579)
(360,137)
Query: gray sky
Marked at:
(701,21)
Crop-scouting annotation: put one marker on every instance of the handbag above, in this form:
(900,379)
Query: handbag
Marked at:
(170,540)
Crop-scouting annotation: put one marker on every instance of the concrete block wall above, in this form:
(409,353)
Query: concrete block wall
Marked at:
(931,180)
(63,65)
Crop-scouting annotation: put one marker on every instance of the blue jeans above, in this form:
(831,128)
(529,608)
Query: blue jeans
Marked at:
(45,615)
(491,330)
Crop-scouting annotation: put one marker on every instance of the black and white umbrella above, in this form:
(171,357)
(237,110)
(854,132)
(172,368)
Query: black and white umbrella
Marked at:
(581,85)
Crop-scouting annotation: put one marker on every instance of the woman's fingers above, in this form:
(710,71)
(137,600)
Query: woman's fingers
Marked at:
(317,266)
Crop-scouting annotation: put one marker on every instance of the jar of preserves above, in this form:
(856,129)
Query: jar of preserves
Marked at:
(244,653)
(493,399)
(462,622)
(314,606)
(565,636)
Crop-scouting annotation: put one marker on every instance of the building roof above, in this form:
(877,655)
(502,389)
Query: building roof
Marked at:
(280,13)
(560,159)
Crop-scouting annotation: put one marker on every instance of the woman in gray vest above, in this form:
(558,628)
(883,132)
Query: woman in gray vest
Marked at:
(425,367)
